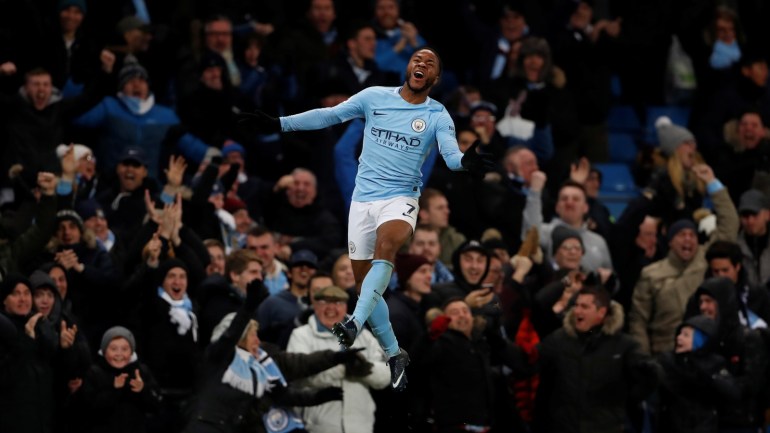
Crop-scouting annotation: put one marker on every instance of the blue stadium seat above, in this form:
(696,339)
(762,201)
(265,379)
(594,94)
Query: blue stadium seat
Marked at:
(623,118)
(622,148)
(618,186)
(679,116)
(616,178)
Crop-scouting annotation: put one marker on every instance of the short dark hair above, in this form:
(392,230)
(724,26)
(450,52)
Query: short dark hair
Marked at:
(433,50)
(320,274)
(216,17)
(598,172)
(601,295)
(355,28)
(426,228)
(259,231)
(572,184)
(452,300)
(34,72)
(725,250)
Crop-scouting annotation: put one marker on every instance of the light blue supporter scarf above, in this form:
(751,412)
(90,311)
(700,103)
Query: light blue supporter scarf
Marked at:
(181,313)
(245,367)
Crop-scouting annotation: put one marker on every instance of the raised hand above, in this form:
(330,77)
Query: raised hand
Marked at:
(479,298)
(259,122)
(167,221)
(175,171)
(67,335)
(537,181)
(176,216)
(47,183)
(476,162)
(29,327)
(107,59)
(136,384)
(7,68)
(579,172)
(120,380)
(149,204)
(704,173)
(69,165)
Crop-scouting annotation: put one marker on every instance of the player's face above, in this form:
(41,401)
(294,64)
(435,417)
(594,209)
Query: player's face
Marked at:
(422,72)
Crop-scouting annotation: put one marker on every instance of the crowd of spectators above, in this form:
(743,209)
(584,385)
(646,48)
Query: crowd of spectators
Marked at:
(163,269)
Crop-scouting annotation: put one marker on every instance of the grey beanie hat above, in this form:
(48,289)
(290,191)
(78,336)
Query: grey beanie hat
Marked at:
(118,332)
(670,136)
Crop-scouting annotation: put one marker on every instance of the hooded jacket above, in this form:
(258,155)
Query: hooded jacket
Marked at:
(694,383)
(744,349)
(26,373)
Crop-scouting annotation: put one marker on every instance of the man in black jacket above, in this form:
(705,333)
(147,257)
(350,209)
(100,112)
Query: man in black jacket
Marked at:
(589,369)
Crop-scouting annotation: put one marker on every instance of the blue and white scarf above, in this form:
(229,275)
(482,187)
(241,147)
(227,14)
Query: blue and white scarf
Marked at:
(181,314)
(241,375)
(136,105)
(244,368)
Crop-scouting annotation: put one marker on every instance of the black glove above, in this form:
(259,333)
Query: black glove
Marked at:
(358,367)
(477,163)
(259,122)
(345,356)
(325,395)
(256,292)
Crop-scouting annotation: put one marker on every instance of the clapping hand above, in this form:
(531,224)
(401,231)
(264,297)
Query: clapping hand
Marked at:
(136,384)
(67,335)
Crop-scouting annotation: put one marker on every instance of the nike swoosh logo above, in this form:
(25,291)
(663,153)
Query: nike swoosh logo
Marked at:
(377,113)
(398,381)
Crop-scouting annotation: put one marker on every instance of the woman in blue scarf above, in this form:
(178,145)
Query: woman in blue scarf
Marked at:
(241,382)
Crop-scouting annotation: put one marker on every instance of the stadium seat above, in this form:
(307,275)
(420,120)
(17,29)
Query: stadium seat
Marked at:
(622,148)
(623,118)
(616,178)
(618,186)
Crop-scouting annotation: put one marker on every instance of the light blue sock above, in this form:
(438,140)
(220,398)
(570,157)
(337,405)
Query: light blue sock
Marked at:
(379,321)
(374,285)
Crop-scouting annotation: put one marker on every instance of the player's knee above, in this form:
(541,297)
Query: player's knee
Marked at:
(386,249)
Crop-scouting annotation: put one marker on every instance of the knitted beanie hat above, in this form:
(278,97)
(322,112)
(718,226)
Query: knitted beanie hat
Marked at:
(670,136)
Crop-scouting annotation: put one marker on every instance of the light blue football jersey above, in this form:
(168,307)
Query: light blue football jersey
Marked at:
(398,136)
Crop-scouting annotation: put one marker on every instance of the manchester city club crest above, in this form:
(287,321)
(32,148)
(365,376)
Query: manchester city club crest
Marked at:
(418,125)
(277,419)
